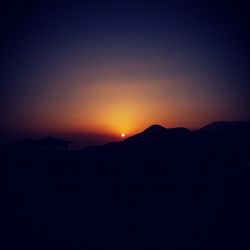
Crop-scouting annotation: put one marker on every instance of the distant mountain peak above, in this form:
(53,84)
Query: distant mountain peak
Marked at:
(225,125)
(155,128)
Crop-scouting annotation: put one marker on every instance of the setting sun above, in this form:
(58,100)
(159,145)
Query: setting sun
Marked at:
(122,135)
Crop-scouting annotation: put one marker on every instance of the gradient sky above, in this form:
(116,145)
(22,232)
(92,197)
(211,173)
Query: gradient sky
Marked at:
(96,69)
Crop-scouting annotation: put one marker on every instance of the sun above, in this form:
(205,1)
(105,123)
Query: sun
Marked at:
(122,135)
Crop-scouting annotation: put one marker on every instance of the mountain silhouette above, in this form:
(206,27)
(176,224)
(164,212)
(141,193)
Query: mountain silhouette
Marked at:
(222,141)
(158,131)
(224,126)
(155,129)
(217,130)
(156,135)
(48,143)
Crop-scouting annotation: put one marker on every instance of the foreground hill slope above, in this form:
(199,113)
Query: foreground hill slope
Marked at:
(160,189)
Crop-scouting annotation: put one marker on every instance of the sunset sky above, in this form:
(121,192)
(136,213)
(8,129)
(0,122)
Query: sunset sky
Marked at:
(95,69)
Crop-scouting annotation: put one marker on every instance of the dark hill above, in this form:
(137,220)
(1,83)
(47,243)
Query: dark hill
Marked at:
(224,126)
(157,134)
(155,129)
(228,134)
(44,143)
(223,141)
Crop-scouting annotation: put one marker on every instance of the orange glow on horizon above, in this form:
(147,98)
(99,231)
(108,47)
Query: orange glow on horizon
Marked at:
(111,103)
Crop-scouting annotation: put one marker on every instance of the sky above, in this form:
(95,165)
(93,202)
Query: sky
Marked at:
(91,70)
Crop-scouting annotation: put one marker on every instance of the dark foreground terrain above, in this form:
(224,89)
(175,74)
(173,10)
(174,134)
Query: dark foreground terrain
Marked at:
(161,189)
